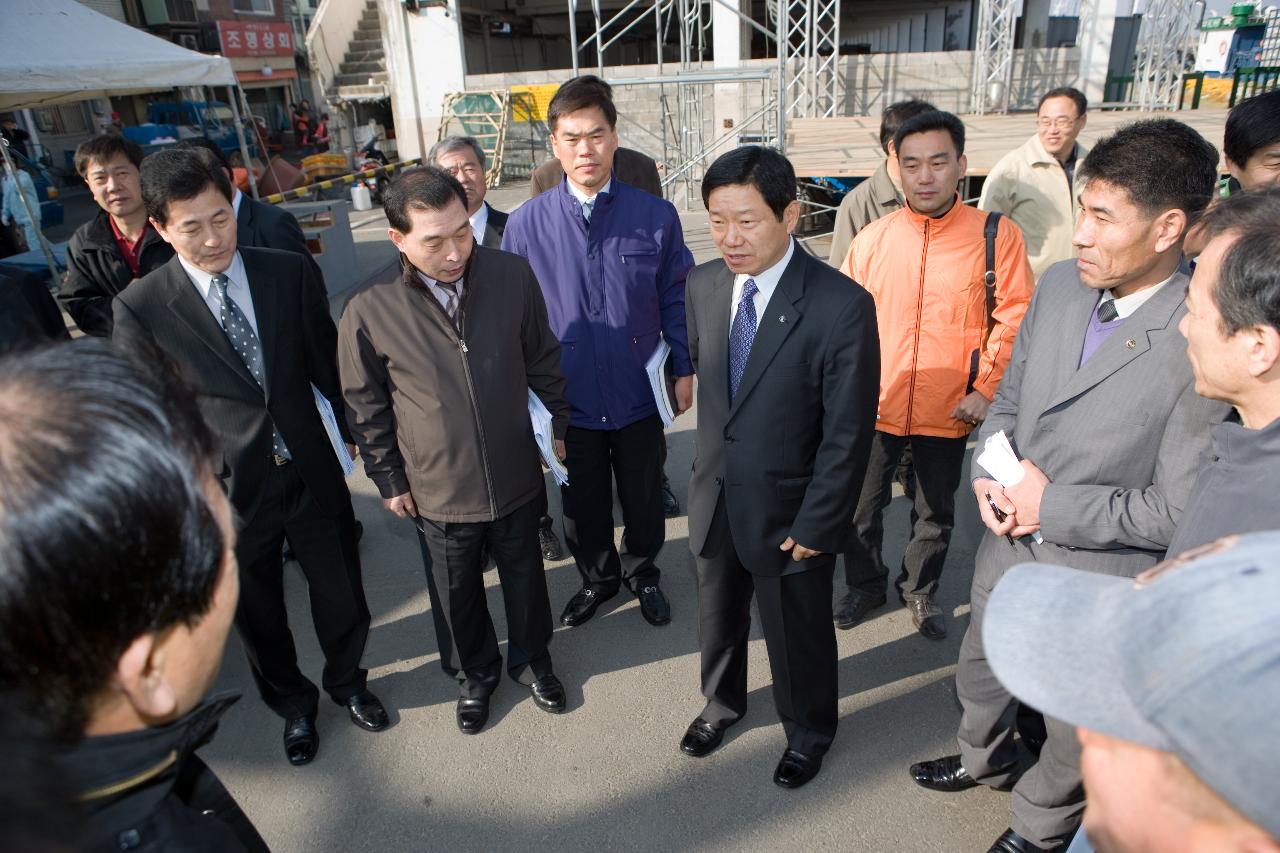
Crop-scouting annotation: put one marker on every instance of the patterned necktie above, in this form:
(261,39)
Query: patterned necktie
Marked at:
(587,207)
(245,343)
(450,289)
(741,334)
(1107,311)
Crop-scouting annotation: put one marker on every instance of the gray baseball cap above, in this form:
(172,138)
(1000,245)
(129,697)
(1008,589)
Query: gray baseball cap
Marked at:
(1185,658)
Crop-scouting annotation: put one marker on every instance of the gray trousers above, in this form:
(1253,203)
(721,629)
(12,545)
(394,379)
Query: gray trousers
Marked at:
(1048,800)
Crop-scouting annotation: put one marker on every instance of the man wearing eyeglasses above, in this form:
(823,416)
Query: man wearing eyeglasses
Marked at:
(1035,184)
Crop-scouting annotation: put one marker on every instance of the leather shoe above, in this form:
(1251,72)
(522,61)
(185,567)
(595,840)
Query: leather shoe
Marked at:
(944,774)
(795,769)
(928,619)
(472,715)
(701,738)
(367,712)
(583,606)
(548,694)
(549,543)
(301,740)
(670,506)
(856,607)
(1011,842)
(654,606)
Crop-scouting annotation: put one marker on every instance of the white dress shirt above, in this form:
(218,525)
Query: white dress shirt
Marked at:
(237,289)
(766,283)
(236,198)
(1126,305)
(479,221)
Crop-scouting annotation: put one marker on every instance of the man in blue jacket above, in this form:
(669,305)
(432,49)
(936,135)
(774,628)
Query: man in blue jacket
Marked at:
(612,262)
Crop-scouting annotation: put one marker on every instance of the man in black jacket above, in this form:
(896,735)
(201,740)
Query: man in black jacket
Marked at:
(440,365)
(118,245)
(251,332)
(788,363)
(28,313)
(138,521)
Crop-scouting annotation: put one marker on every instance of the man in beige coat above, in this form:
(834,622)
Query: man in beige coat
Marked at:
(1035,183)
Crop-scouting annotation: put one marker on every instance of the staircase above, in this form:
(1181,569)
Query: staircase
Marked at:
(361,74)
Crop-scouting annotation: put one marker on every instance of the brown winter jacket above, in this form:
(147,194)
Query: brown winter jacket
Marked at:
(443,414)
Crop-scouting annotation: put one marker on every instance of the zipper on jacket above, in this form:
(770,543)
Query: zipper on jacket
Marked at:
(475,404)
(915,350)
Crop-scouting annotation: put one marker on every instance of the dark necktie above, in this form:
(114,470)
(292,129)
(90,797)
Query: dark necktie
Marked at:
(245,343)
(741,334)
(1107,311)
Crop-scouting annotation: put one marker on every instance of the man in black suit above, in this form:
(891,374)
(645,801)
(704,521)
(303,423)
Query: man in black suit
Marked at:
(463,158)
(788,365)
(250,331)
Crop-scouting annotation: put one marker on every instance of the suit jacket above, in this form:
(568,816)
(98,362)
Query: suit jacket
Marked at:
(494,228)
(1121,438)
(28,314)
(789,453)
(299,347)
(266,226)
(631,167)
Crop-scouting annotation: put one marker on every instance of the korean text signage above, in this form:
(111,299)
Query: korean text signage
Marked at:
(252,38)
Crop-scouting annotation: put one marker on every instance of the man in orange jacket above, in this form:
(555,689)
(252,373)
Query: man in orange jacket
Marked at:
(944,344)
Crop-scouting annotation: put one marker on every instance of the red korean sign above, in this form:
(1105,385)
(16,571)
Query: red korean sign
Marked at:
(252,38)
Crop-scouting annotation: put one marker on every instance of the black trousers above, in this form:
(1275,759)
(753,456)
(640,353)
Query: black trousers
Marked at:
(939,462)
(325,547)
(455,584)
(795,613)
(595,458)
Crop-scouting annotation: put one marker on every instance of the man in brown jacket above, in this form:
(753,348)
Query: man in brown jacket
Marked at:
(437,364)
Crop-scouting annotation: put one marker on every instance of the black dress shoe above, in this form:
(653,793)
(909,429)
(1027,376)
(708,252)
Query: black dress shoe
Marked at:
(701,738)
(1011,842)
(795,769)
(670,506)
(654,606)
(301,740)
(928,619)
(855,607)
(472,715)
(548,694)
(549,543)
(367,712)
(583,606)
(944,774)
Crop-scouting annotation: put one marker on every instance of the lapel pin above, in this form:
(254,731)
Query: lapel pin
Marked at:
(782,318)
(1131,343)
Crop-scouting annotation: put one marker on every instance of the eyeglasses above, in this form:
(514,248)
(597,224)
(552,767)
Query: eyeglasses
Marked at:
(1061,123)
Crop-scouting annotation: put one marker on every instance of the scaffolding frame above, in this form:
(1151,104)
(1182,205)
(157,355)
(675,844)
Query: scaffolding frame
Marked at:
(1164,49)
(993,57)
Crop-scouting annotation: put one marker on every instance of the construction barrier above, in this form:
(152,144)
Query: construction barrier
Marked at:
(338,182)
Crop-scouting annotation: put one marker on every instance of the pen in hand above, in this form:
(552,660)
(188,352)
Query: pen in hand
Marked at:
(999,513)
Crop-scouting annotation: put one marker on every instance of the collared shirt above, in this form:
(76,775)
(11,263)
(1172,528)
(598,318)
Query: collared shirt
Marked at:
(766,283)
(236,198)
(131,251)
(1126,305)
(440,293)
(479,221)
(237,289)
(583,197)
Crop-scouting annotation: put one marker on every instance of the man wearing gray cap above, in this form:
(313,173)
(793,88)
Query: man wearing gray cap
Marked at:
(1171,679)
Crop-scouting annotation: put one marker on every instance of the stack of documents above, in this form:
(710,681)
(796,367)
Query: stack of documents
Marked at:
(662,382)
(1002,463)
(540,419)
(335,437)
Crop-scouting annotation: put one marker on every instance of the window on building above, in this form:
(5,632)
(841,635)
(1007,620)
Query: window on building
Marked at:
(180,11)
(255,7)
(68,118)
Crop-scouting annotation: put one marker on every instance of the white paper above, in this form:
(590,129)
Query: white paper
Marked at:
(999,460)
(335,437)
(656,367)
(540,419)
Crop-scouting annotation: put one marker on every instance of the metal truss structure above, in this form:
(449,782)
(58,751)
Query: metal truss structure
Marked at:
(1165,51)
(1271,39)
(993,56)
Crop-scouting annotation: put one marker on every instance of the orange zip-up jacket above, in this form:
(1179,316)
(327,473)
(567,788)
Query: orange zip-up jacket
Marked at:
(926,276)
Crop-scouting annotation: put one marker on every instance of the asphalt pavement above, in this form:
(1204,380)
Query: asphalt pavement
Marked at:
(608,774)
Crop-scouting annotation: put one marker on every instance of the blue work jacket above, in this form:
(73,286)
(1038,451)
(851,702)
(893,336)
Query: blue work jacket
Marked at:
(611,288)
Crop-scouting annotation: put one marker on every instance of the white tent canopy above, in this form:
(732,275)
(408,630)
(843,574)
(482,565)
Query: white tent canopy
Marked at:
(58,51)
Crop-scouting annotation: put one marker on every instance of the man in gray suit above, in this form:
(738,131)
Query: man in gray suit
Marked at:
(1099,400)
(788,364)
